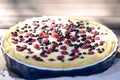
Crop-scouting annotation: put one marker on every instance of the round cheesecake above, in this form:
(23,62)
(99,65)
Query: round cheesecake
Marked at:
(59,43)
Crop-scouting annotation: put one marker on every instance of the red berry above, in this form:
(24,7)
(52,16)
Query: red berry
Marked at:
(73,38)
(84,46)
(33,40)
(81,27)
(75,50)
(20,49)
(76,56)
(28,34)
(49,50)
(88,37)
(82,31)
(21,32)
(51,59)
(96,45)
(91,52)
(97,38)
(102,42)
(68,42)
(55,44)
(41,33)
(45,35)
(43,55)
(92,32)
(22,39)
(67,32)
(71,59)
(36,46)
(60,38)
(54,34)
(63,47)
(60,57)
(14,42)
(87,41)
(64,52)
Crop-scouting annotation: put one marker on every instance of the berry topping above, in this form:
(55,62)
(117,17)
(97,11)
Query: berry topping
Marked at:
(97,38)
(51,59)
(33,40)
(36,46)
(18,48)
(87,41)
(43,55)
(14,42)
(63,47)
(64,52)
(54,34)
(22,39)
(14,34)
(55,44)
(60,38)
(84,46)
(73,38)
(68,42)
(91,52)
(21,32)
(75,50)
(96,45)
(28,34)
(60,57)
(82,31)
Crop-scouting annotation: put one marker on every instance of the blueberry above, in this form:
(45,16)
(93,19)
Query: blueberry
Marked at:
(72,54)
(38,59)
(27,57)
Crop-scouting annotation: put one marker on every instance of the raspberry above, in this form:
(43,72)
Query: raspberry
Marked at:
(82,31)
(64,52)
(36,46)
(88,37)
(22,39)
(43,55)
(20,49)
(63,48)
(14,42)
(91,52)
(96,45)
(81,27)
(68,42)
(87,41)
(60,57)
(28,34)
(21,32)
(54,34)
(51,59)
(75,50)
(55,44)
(84,46)
(97,38)
(60,38)
(33,40)
(73,38)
